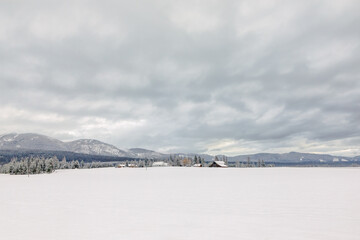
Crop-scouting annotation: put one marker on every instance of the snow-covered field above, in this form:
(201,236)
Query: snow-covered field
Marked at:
(182,203)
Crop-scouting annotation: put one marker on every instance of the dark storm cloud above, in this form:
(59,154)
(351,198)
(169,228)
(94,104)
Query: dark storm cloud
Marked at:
(212,76)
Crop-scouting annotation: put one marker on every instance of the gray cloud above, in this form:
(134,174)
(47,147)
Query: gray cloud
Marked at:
(197,76)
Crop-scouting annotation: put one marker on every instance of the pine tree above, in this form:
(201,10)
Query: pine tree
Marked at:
(263,163)
(63,163)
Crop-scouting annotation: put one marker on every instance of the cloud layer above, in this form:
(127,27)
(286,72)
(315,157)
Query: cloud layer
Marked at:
(229,77)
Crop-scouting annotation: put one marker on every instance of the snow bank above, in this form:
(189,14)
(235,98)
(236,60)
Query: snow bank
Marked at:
(182,203)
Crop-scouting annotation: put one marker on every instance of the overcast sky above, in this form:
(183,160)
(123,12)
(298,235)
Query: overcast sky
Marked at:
(214,76)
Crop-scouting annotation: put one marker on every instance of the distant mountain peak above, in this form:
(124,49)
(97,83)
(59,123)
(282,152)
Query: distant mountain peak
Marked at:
(92,146)
(140,150)
(31,141)
(145,153)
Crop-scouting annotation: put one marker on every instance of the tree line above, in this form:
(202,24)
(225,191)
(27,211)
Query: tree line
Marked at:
(37,165)
(41,164)
(7,155)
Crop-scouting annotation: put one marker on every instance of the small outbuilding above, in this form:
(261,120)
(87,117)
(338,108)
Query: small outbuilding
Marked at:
(197,165)
(132,165)
(218,164)
(121,165)
(160,164)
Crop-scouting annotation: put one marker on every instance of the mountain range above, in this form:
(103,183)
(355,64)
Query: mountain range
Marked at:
(32,141)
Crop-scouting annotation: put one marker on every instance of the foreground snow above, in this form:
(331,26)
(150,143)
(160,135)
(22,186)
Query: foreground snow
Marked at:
(182,203)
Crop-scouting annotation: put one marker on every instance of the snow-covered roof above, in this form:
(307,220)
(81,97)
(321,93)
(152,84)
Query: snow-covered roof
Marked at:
(158,164)
(221,163)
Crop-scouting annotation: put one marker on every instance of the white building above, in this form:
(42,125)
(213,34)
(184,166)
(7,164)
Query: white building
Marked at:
(160,164)
(197,165)
(121,165)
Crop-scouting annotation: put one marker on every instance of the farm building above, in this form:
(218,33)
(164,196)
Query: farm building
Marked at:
(160,164)
(218,164)
(121,165)
(132,165)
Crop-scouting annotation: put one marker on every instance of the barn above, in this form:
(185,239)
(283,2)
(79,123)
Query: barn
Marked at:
(218,164)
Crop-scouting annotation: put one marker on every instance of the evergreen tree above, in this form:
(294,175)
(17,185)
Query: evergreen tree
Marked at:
(263,163)
(202,161)
(63,164)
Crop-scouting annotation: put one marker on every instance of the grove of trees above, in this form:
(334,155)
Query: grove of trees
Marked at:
(37,165)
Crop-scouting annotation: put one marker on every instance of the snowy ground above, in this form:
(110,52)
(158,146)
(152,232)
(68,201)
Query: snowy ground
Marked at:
(182,203)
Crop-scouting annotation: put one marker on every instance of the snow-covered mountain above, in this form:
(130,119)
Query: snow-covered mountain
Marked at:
(30,141)
(95,147)
(145,153)
(290,157)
